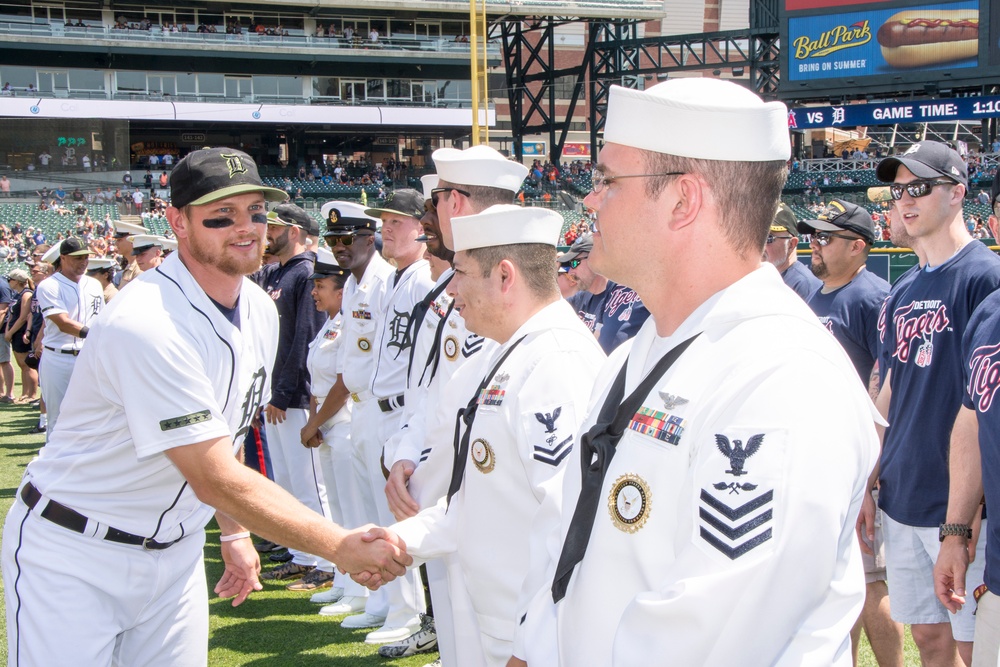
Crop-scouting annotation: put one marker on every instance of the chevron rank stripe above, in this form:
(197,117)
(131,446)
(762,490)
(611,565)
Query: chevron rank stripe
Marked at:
(658,424)
(472,345)
(731,526)
(553,456)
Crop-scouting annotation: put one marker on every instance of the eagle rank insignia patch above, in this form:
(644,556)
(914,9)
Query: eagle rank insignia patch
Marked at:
(734,515)
(629,503)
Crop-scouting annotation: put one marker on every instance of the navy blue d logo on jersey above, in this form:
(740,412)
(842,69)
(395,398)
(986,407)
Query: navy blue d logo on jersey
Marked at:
(252,401)
(399,332)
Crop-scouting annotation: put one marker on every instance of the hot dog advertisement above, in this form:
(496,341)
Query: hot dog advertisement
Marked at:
(884,41)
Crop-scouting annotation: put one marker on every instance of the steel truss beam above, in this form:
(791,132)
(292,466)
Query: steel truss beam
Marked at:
(615,54)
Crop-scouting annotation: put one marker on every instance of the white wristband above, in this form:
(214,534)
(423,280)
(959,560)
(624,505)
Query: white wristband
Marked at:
(234,537)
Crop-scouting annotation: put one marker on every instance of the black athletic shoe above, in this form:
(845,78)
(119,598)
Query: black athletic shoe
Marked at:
(266,546)
(282,557)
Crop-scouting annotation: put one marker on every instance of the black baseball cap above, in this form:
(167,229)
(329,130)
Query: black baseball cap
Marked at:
(211,174)
(927,159)
(406,201)
(583,244)
(290,215)
(840,215)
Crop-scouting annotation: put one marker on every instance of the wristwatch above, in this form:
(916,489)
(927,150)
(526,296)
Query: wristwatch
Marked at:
(959,529)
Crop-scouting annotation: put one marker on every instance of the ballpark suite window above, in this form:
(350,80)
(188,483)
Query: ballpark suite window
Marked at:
(352,92)
(85,79)
(162,84)
(130,82)
(19,77)
(239,87)
(211,84)
(376,89)
(426,29)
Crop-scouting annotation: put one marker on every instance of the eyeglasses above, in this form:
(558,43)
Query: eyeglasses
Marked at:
(436,191)
(771,238)
(824,238)
(599,180)
(920,188)
(573,263)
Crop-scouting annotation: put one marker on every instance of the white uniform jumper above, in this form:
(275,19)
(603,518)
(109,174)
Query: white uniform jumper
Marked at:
(726,517)
(441,346)
(519,442)
(74,596)
(82,302)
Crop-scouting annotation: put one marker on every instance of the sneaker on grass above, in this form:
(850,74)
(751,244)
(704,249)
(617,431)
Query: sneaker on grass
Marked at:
(314,581)
(422,641)
(287,572)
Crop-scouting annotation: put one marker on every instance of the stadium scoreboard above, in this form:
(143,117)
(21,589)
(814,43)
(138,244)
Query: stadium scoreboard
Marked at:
(836,48)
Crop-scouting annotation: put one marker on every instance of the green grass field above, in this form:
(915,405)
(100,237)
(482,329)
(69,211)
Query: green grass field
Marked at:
(273,627)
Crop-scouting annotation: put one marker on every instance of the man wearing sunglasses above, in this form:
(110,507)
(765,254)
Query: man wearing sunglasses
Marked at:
(350,235)
(111,516)
(975,471)
(290,237)
(848,304)
(613,312)
(780,250)
(925,319)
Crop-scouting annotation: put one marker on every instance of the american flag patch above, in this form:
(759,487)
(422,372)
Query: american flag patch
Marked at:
(659,425)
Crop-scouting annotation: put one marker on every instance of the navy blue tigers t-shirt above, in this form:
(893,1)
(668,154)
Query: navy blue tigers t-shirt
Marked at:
(925,321)
(981,352)
(851,314)
(801,280)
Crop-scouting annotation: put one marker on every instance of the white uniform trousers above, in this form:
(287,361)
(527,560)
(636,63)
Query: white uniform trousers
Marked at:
(77,600)
(296,469)
(404,596)
(54,372)
(338,474)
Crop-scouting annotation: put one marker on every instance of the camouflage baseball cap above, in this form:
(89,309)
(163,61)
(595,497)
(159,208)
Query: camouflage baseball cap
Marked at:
(211,174)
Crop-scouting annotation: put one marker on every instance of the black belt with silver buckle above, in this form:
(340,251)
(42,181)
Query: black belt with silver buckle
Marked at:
(53,349)
(70,519)
(390,404)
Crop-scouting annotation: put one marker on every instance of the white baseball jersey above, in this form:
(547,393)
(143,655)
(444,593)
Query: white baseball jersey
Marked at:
(198,378)
(395,336)
(362,306)
(81,301)
(519,442)
(322,365)
(741,475)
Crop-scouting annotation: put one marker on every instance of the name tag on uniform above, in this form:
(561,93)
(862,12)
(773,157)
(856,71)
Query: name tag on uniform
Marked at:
(658,424)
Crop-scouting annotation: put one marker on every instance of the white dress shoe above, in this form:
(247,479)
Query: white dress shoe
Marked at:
(347,605)
(329,596)
(365,620)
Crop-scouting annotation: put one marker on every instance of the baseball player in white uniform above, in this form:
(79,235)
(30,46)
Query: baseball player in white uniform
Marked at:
(350,235)
(702,489)
(382,417)
(516,432)
(102,549)
(70,301)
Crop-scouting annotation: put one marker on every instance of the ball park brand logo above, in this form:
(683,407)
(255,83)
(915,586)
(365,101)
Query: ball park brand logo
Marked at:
(835,39)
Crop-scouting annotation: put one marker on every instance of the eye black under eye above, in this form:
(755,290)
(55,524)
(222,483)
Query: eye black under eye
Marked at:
(221,223)
(259,218)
